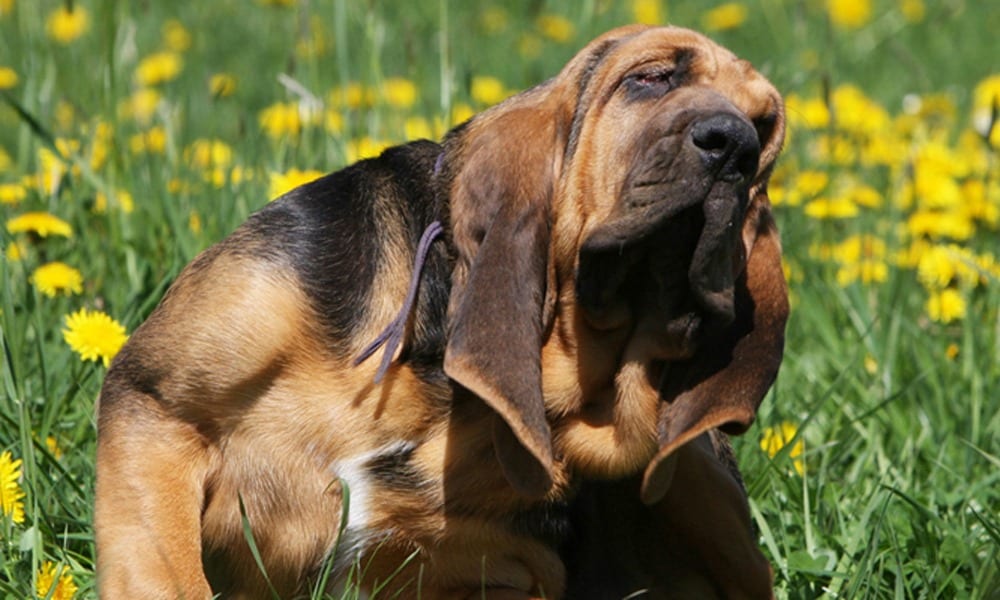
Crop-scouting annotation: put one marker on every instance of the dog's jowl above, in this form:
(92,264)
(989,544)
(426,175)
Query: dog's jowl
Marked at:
(500,366)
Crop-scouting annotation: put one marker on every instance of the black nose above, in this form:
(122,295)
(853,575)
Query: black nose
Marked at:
(728,145)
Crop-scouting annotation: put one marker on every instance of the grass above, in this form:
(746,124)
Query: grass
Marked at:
(893,403)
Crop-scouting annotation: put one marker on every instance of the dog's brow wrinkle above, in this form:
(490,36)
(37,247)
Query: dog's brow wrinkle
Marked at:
(594,61)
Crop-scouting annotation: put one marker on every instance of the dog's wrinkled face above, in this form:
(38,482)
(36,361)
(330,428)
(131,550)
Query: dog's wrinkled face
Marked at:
(673,136)
(605,223)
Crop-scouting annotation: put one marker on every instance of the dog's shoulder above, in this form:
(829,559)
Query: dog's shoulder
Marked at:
(325,265)
(350,235)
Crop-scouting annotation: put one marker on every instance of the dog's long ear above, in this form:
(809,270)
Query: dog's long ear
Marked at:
(503,167)
(500,204)
(705,518)
(724,383)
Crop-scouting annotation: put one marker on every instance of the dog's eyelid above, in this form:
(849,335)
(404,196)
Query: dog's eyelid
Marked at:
(650,82)
(654,77)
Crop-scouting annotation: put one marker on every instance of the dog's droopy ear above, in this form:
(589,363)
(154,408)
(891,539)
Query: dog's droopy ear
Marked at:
(500,197)
(724,383)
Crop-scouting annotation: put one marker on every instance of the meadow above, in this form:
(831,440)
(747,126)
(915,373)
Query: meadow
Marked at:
(135,134)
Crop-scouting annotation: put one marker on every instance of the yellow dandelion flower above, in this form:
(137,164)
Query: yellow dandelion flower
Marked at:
(890,151)
(177,186)
(315,41)
(94,335)
(855,112)
(55,277)
(194,222)
(487,90)
(725,16)
(120,198)
(936,189)
(159,67)
(64,25)
(865,195)
(15,251)
(65,116)
(940,224)
(987,92)
(871,365)
(8,78)
(986,96)
(811,113)
(175,36)
(352,95)
(837,149)
(53,162)
(775,439)
(417,127)
(281,119)
(42,224)
(101,144)
(222,85)
(151,141)
(649,12)
(946,306)
(936,268)
(951,352)
(206,153)
(555,27)
(840,207)
(10,489)
(364,147)
(865,271)
(849,14)
(333,121)
(461,113)
(792,271)
(780,196)
(52,444)
(988,266)
(217,177)
(912,10)
(141,105)
(399,92)
(811,183)
(282,183)
(55,582)
(12,193)
(862,258)
(241,174)
(857,247)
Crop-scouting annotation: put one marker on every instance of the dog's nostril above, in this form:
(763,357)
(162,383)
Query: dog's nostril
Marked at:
(728,144)
(710,140)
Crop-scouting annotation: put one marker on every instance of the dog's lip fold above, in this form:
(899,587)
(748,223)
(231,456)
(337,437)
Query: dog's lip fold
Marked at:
(612,249)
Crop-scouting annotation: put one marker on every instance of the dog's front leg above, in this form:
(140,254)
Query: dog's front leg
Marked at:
(151,469)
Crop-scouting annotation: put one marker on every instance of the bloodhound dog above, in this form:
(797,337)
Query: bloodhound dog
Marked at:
(568,300)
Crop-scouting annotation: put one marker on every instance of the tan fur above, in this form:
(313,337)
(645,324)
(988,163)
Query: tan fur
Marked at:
(253,405)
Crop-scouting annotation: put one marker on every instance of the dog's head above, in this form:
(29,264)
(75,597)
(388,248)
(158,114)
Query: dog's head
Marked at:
(618,214)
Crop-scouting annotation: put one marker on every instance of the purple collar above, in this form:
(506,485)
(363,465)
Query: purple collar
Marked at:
(392,335)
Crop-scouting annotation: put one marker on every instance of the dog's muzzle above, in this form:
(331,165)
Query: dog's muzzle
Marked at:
(671,248)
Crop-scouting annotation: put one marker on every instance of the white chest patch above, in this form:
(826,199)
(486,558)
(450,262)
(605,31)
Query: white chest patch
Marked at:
(356,475)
